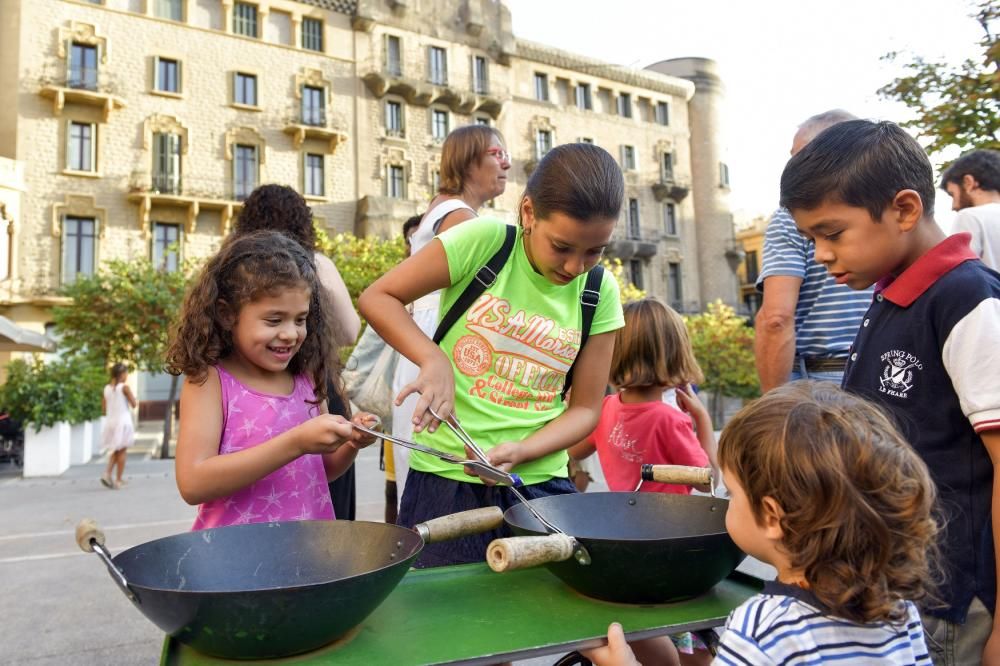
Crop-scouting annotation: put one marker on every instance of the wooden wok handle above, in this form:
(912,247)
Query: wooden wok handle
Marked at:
(86,530)
(679,474)
(523,552)
(461,524)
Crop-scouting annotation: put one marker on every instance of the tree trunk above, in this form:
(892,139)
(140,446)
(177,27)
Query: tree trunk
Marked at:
(168,420)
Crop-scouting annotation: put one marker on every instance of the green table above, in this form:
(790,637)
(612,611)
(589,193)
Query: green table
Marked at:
(469,615)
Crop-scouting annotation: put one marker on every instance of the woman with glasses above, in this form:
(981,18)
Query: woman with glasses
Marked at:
(474,165)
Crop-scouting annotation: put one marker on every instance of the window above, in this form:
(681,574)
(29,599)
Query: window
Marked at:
(543,143)
(583,100)
(438,59)
(674,288)
(168,75)
(662,113)
(541,87)
(635,273)
(435,180)
(393,58)
(670,219)
(245,171)
(752,267)
(586,139)
(483,120)
(167,163)
(80,147)
(169,9)
(634,229)
(439,124)
(166,246)
(79,247)
(83,66)
(628,158)
(245,19)
(396,184)
(723,174)
(312,34)
(313,106)
(314,175)
(245,89)
(480,75)
(625,105)
(394,119)
(667,168)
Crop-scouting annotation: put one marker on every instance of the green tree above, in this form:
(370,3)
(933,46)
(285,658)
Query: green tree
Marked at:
(723,344)
(43,394)
(361,261)
(123,313)
(955,105)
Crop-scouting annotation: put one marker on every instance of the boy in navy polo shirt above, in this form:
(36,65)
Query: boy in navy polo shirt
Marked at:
(928,349)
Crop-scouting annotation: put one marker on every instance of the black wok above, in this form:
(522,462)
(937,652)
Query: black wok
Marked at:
(263,590)
(644,547)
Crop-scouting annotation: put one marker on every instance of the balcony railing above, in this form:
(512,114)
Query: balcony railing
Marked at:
(312,116)
(82,78)
(167,183)
(79,85)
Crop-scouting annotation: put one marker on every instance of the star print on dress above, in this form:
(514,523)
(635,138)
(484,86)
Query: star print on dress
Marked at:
(249,425)
(273,498)
(246,517)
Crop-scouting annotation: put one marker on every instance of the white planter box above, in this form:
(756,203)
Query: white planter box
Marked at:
(81,437)
(46,452)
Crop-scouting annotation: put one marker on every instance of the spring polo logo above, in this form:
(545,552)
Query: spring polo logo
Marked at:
(899,375)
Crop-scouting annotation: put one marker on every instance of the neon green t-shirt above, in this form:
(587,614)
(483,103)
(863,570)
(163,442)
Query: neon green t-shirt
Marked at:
(510,351)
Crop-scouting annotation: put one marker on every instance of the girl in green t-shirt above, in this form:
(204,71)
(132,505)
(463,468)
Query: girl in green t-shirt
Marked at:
(501,367)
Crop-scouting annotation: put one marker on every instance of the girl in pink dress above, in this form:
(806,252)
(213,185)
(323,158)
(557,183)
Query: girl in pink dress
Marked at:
(256,443)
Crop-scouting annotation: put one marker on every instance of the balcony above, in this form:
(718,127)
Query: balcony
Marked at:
(398,79)
(380,215)
(89,87)
(194,195)
(488,97)
(670,188)
(319,124)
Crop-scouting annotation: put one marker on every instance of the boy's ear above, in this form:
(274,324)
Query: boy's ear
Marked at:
(969,183)
(771,519)
(908,208)
(226,315)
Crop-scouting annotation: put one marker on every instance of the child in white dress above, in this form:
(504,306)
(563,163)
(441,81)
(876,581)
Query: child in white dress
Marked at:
(118,433)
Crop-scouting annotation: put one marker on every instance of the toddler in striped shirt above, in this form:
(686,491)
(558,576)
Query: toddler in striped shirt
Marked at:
(825,489)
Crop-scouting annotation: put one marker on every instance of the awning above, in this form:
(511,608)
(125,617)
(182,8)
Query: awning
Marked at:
(16,338)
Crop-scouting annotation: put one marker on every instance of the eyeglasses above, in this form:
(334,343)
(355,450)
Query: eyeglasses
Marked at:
(499,153)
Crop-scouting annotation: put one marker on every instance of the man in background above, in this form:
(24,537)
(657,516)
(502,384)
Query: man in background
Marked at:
(806,322)
(973,181)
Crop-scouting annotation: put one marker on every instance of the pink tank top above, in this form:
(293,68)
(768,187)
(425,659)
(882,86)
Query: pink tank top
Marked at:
(297,491)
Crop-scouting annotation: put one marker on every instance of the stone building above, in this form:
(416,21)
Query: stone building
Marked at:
(139,126)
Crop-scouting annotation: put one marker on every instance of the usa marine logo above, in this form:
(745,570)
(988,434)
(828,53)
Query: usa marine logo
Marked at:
(899,374)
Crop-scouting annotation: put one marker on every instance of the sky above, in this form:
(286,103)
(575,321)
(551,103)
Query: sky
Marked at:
(781,61)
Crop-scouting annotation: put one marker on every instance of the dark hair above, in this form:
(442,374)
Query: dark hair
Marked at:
(857,501)
(577,179)
(859,163)
(278,208)
(983,165)
(463,147)
(244,269)
(117,369)
(411,223)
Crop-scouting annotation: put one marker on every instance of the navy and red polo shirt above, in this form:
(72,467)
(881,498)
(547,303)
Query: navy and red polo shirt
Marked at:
(928,351)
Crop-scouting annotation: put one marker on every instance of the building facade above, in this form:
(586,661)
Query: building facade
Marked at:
(140,125)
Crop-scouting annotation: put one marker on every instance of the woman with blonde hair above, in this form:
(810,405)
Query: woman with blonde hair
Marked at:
(474,165)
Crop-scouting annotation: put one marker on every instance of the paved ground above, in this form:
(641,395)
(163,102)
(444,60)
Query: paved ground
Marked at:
(58,605)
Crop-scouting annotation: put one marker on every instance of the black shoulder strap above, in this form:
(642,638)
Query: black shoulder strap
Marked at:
(589,298)
(484,279)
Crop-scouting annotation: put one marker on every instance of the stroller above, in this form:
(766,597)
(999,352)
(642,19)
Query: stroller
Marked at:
(11,441)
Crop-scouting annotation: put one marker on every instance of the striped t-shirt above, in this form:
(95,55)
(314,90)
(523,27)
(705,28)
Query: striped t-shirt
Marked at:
(787,625)
(827,315)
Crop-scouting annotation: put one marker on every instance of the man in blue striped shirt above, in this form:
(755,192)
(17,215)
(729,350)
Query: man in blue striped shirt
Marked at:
(807,321)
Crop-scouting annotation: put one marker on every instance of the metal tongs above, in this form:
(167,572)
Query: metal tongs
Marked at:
(483,469)
(579,552)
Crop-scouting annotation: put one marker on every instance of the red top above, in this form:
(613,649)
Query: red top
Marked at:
(632,434)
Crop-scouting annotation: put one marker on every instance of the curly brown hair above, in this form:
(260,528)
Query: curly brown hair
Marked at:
(858,502)
(277,208)
(245,268)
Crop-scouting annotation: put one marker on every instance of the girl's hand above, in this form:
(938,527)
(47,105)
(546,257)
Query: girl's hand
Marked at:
(436,386)
(360,440)
(323,434)
(616,652)
(689,402)
(504,457)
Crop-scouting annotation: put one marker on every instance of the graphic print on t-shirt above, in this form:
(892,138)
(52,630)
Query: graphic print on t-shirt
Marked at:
(518,360)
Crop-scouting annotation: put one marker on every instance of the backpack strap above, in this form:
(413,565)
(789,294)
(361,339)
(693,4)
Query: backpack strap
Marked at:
(589,299)
(483,280)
